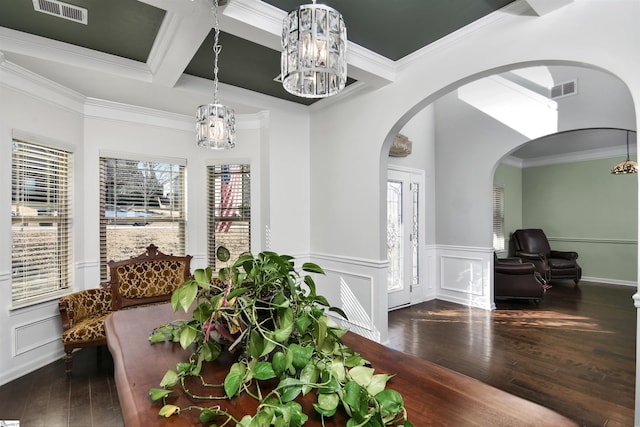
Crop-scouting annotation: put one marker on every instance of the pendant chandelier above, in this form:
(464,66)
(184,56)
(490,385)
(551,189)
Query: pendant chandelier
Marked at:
(626,167)
(215,123)
(313,63)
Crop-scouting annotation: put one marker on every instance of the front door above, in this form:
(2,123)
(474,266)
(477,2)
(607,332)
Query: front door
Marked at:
(403,235)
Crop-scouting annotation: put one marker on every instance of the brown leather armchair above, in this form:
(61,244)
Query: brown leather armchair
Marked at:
(532,245)
(516,279)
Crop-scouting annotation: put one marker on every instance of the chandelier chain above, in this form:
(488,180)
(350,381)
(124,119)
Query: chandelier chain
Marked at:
(216,50)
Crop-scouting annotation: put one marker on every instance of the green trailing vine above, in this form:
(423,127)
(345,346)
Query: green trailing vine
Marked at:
(268,314)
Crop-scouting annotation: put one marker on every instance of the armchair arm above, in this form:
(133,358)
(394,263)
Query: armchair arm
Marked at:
(526,255)
(509,260)
(564,255)
(82,304)
(513,268)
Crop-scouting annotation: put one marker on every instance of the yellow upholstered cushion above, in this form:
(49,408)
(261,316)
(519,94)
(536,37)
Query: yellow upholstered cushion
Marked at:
(150,278)
(86,330)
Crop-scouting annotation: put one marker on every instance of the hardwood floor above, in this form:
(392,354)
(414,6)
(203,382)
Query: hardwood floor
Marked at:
(574,353)
(45,398)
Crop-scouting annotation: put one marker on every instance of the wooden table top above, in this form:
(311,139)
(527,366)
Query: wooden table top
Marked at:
(434,395)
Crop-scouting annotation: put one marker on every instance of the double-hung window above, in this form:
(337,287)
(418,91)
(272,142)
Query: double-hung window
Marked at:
(41,246)
(229,211)
(141,202)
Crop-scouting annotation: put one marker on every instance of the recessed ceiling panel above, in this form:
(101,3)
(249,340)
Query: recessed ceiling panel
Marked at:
(124,28)
(243,64)
(396,28)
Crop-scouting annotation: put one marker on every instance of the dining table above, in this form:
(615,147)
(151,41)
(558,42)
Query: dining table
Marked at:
(433,395)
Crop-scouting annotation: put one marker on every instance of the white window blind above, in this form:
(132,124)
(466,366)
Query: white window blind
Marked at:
(40,222)
(498,218)
(229,211)
(141,202)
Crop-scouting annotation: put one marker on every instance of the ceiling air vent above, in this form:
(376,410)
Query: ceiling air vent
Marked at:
(61,10)
(564,89)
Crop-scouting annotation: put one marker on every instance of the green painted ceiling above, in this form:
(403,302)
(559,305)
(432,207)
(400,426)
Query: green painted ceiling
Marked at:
(128,28)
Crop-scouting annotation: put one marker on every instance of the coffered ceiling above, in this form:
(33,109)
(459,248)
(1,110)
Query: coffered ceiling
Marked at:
(173,39)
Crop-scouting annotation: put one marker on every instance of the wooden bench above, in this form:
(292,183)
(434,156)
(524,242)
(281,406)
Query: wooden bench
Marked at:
(149,278)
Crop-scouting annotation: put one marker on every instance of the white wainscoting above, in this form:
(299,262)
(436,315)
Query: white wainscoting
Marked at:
(359,288)
(464,276)
(34,336)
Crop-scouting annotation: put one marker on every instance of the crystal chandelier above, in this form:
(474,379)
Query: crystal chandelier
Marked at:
(215,123)
(313,63)
(627,166)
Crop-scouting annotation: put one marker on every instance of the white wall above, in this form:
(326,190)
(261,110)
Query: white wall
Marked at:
(276,144)
(30,335)
(347,139)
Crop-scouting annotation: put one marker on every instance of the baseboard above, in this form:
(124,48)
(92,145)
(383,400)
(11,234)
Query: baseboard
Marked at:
(609,281)
(26,368)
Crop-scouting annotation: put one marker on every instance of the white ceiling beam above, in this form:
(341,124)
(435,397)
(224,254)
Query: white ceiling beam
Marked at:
(179,37)
(542,7)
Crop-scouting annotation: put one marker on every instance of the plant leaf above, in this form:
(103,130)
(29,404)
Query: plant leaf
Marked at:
(187,294)
(328,402)
(312,286)
(234,379)
(339,311)
(236,292)
(187,336)
(377,384)
(337,370)
(361,374)
(353,398)
(391,402)
(263,371)
(285,317)
(157,336)
(308,376)
(302,323)
(279,362)
(207,415)
(321,300)
(322,331)
(168,410)
(301,355)
(170,379)
(158,393)
(203,277)
(256,344)
(312,268)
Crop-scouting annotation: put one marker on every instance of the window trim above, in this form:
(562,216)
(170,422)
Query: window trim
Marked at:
(182,219)
(246,168)
(498,225)
(67,281)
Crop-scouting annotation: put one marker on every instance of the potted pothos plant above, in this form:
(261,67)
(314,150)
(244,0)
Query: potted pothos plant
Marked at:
(270,316)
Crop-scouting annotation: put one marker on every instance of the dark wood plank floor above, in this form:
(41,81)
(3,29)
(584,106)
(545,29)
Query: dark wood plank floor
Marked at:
(45,398)
(574,353)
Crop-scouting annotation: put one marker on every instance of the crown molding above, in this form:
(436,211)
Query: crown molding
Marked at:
(58,52)
(103,109)
(17,78)
(578,156)
(515,9)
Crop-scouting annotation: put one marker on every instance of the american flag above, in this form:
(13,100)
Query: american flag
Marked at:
(228,190)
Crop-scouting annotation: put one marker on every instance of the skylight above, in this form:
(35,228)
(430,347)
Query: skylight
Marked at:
(515,106)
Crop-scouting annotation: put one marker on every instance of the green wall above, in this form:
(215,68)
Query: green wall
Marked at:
(581,207)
